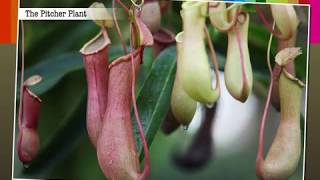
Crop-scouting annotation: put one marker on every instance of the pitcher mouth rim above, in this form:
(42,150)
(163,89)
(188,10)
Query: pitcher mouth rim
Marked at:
(125,58)
(84,50)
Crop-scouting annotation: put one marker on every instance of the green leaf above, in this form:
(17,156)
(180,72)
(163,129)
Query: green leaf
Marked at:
(153,100)
(61,144)
(249,8)
(53,69)
(55,39)
(148,59)
(62,121)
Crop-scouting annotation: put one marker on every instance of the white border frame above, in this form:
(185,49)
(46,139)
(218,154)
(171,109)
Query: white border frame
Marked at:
(262,3)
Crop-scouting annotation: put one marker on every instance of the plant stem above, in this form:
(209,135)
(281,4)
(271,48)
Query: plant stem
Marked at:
(269,50)
(266,23)
(144,175)
(265,110)
(117,26)
(213,58)
(123,5)
(146,170)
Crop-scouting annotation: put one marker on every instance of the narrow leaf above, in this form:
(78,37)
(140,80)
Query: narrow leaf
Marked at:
(153,100)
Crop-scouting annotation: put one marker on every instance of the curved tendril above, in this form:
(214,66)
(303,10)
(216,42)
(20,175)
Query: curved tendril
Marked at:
(268,25)
(266,107)
(22,78)
(123,5)
(233,20)
(232,23)
(269,51)
(213,58)
(263,122)
(144,175)
(118,28)
(139,6)
(146,170)
(132,40)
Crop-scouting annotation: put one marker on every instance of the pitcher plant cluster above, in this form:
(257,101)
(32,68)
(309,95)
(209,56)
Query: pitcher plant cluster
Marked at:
(111,85)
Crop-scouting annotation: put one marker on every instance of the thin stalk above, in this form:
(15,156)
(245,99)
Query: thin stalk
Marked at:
(132,40)
(267,24)
(117,26)
(266,107)
(269,50)
(146,170)
(213,58)
(123,5)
